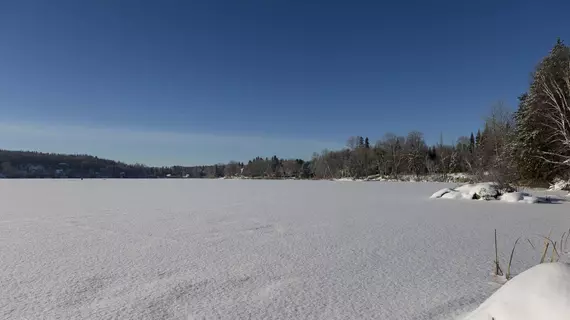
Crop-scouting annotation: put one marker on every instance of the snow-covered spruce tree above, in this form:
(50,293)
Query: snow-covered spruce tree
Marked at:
(543,119)
(530,145)
(471,143)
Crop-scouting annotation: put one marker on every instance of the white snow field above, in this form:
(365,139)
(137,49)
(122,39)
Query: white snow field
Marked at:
(246,249)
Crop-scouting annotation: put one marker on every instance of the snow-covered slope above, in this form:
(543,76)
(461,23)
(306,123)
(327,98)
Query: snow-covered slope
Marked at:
(245,249)
(542,292)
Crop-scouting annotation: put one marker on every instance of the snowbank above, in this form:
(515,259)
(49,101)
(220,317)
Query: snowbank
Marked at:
(542,292)
(460,176)
(560,184)
(451,177)
(347,179)
(469,191)
(455,195)
(518,197)
(483,191)
(512,197)
(441,193)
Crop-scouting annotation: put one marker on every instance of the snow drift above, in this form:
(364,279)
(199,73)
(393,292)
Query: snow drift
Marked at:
(518,197)
(541,292)
(483,191)
(469,191)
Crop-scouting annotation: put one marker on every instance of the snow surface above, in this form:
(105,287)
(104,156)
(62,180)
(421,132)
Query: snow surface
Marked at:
(247,249)
(542,292)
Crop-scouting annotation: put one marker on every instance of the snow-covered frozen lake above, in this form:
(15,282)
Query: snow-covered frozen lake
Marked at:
(235,249)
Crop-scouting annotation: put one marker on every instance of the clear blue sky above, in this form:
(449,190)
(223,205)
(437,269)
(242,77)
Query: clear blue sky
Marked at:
(195,82)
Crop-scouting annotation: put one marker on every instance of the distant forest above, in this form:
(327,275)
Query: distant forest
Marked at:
(530,145)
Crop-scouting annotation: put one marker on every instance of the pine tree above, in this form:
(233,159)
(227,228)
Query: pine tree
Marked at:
(432,153)
(471,143)
(528,143)
(274,165)
(360,142)
(366,143)
(540,142)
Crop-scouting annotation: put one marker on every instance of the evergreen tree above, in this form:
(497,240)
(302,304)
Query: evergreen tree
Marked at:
(528,143)
(471,143)
(432,154)
(360,142)
(274,165)
(306,171)
(478,139)
(366,143)
(543,125)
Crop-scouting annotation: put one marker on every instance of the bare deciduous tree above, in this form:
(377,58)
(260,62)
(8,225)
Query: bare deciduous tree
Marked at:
(556,117)
(415,148)
(499,146)
(352,142)
(395,155)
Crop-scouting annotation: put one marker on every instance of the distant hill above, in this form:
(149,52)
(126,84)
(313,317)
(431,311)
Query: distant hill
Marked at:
(29,164)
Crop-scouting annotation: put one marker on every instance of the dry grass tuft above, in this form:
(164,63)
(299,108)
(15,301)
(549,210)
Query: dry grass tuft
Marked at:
(556,249)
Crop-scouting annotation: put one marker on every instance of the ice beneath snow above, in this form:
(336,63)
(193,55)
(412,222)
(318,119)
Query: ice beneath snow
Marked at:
(247,249)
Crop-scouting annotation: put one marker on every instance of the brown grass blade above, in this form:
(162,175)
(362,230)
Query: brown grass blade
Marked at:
(508,275)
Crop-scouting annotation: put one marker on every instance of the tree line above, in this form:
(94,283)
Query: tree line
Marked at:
(530,145)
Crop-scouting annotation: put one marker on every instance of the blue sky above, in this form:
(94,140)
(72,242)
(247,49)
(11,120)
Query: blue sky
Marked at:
(196,82)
